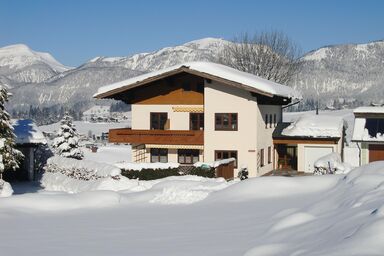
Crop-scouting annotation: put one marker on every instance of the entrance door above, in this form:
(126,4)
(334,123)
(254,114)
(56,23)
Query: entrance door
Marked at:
(376,153)
(311,154)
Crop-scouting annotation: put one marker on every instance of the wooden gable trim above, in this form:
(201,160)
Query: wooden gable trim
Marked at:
(226,81)
(139,83)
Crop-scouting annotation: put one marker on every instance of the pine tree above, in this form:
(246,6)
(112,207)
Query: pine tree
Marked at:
(10,156)
(66,143)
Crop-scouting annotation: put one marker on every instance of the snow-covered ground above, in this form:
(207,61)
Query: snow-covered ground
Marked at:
(313,215)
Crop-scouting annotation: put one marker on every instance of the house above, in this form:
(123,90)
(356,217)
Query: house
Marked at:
(201,111)
(97,114)
(299,144)
(368,133)
(28,138)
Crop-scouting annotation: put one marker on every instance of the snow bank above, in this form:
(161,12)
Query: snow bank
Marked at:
(331,163)
(214,164)
(90,168)
(60,182)
(140,166)
(5,189)
(316,126)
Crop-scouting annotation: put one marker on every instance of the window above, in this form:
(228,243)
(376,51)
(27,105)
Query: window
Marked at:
(159,155)
(274,120)
(196,121)
(188,156)
(269,154)
(374,126)
(225,154)
(270,121)
(158,120)
(261,157)
(266,120)
(226,121)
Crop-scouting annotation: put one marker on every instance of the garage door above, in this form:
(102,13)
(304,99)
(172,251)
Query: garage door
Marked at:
(311,154)
(376,153)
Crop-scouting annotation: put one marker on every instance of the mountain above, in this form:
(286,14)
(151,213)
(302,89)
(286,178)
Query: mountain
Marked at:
(349,74)
(77,85)
(19,64)
(342,75)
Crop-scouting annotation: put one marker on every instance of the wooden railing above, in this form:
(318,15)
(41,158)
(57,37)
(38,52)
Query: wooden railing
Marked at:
(172,137)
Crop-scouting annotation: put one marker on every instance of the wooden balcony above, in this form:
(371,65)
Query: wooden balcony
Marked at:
(172,137)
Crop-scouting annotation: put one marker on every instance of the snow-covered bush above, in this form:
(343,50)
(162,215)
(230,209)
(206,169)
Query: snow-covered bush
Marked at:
(330,164)
(5,189)
(72,175)
(66,143)
(81,169)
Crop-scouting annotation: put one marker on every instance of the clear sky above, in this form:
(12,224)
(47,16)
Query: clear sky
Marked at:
(74,31)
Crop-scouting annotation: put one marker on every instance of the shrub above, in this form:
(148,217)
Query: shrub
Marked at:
(150,174)
(203,172)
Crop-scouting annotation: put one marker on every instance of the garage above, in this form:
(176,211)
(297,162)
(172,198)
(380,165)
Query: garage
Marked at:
(312,153)
(376,152)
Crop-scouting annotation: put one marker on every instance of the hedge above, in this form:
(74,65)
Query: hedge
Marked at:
(153,174)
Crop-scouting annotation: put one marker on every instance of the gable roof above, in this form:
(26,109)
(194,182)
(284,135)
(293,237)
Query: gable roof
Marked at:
(213,71)
(27,132)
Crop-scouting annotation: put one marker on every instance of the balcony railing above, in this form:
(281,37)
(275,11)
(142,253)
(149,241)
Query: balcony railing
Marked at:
(172,137)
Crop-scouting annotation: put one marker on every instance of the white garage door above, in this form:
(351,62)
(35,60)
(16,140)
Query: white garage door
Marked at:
(311,154)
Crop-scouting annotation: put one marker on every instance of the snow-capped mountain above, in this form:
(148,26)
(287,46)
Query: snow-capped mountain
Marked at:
(351,74)
(20,64)
(79,84)
(348,74)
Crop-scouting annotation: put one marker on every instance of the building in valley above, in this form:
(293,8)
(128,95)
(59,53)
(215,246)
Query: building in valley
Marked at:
(368,133)
(201,111)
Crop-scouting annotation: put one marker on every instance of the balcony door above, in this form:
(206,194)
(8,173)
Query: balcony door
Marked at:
(196,121)
(158,120)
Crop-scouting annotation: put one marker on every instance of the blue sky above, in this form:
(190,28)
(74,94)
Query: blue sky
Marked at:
(74,31)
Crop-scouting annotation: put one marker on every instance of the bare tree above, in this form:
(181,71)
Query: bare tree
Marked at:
(270,55)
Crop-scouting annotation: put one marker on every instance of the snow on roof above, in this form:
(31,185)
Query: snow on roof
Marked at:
(370,109)
(27,132)
(361,133)
(212,69)
(317,126)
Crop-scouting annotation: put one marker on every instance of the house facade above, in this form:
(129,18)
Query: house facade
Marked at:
(368,133)
(203,112)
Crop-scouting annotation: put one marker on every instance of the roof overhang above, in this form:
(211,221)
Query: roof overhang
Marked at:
(182,69)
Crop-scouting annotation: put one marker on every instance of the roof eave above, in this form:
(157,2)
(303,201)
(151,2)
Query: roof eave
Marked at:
(181,69)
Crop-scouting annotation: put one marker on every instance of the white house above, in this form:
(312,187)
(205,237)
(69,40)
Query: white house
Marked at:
(368,133)
(201,111)
(299,144)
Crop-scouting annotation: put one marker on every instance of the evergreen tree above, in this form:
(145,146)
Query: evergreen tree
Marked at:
(66,143)
(10,156)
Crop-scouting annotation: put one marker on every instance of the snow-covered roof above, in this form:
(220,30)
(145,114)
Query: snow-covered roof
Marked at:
(371,109)
(247,80)
(316,126)
(27,132)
